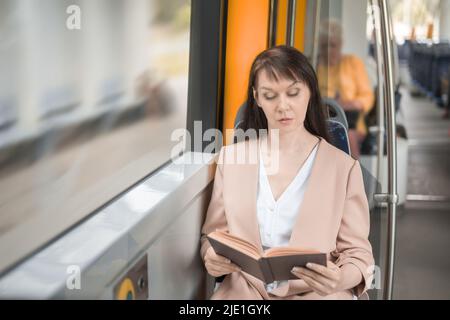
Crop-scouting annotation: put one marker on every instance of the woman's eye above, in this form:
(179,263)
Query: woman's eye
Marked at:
(293,93)
(269,97)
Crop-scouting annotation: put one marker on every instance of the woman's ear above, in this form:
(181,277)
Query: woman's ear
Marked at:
(255,96)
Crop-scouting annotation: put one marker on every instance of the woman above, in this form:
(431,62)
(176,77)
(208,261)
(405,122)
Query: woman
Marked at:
(314,200)
(345,79)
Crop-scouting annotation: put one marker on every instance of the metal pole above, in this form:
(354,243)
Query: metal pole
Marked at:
(315,52)
(290,25)
(380,128)
(391,198)
(273,12)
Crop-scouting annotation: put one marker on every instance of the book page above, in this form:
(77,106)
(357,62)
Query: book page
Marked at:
(288,251)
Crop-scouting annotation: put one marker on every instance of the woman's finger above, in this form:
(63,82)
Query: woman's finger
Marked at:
(324,281)
(215,271)
(226,268)
(211,254)
(314,285)
(225,265)
(312,274)
(324,271)
(218,272)
(220,262)
(216,257)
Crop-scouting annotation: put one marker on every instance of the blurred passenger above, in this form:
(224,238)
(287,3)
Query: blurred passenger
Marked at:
(345,79)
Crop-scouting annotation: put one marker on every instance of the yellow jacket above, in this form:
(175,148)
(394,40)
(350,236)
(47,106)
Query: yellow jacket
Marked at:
(350,79)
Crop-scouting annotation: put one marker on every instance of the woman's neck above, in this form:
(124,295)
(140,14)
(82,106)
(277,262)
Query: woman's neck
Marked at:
(293,141)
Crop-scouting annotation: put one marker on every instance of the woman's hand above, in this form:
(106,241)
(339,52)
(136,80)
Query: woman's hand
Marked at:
(323,280)
(218,266)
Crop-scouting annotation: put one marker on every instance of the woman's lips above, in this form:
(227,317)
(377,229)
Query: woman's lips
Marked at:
(285,121)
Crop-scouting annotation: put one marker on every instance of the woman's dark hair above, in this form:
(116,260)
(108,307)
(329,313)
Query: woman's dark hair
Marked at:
(288,63)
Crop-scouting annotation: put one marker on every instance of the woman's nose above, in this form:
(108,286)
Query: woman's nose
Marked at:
(283,105)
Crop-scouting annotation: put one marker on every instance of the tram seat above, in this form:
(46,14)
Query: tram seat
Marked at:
(428,62)
(338,135)
(335,112)
(337,125)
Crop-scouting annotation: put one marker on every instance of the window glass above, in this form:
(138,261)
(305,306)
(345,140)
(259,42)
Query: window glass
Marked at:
(90,93)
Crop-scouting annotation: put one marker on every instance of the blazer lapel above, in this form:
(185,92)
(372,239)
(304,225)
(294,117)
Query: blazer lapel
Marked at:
(304,233)
(243,188)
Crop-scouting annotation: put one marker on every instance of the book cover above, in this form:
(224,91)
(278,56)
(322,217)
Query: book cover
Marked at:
(274,265)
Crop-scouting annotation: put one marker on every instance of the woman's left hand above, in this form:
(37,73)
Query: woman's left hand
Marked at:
(323,280)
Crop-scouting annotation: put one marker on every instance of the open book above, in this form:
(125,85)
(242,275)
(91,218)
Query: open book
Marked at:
(274,265)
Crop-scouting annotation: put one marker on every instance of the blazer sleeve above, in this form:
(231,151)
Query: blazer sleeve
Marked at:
(215,215)
(352,245)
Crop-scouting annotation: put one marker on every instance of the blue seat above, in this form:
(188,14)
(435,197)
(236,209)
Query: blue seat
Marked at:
(428,63)
(338,135)
(336,125)
(335,112)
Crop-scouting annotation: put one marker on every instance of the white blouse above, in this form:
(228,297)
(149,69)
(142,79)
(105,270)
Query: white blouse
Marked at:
(277,218)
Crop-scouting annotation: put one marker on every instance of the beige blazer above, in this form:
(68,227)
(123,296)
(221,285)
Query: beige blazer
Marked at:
(333,218)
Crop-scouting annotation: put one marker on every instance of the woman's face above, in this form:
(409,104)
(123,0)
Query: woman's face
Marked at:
(284,102)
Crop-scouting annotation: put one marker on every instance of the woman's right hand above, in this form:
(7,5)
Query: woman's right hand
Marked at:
(218,266)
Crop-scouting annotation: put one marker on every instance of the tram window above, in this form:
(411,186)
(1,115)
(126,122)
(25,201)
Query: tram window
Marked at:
(86,110)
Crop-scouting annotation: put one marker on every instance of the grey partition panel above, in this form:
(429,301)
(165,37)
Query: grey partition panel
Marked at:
(175,267)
